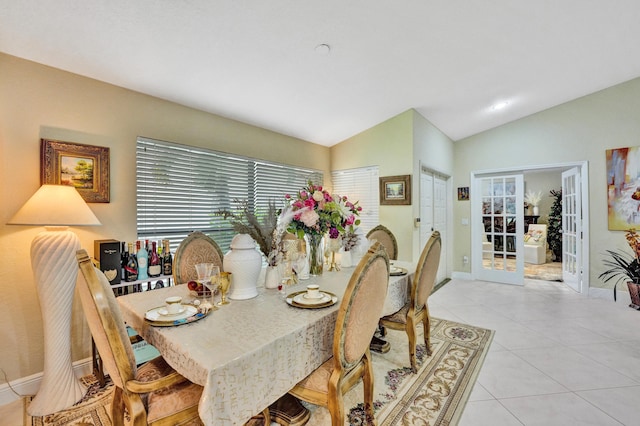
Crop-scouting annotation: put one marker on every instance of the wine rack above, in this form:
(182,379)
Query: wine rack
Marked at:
(151,283)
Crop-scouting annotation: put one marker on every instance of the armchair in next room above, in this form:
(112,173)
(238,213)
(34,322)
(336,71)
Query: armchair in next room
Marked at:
(535,244)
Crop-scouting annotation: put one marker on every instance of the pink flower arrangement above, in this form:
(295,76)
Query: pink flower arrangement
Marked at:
(316,212)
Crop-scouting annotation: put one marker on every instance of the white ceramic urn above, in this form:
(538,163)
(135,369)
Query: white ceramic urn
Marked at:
(244,262)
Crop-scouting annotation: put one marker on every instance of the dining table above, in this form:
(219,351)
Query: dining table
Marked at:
(249,353)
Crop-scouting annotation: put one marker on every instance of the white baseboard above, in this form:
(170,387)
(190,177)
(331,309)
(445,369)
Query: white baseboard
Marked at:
(461,275)
(29,385)
(601,293)
(622,295)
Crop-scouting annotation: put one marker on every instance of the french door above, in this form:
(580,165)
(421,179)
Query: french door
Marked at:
(433,214)
(572,229)
(498,210)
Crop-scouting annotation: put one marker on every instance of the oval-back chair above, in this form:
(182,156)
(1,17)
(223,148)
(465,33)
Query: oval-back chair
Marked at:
(382,234)
(357,320)
(196,248)
(152,393)
(417,309)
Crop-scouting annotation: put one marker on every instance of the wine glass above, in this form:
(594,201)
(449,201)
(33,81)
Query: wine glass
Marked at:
(286,277)
(299,263)
(225,283)
(214,283)
(203,272)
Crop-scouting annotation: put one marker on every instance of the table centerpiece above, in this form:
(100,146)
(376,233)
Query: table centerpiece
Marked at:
(316,213)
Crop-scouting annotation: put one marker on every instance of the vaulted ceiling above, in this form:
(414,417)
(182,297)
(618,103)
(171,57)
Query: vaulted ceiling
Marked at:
(325,70)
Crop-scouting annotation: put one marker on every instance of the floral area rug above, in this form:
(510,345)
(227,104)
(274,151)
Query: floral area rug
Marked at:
(550,271)
(436,395)
(92,410)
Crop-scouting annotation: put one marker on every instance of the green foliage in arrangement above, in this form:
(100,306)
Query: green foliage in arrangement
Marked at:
(554,232)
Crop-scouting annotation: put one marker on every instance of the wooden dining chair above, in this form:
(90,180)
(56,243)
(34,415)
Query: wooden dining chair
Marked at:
(382,234)
(357,319)
(153,393)
(417,310)
(196,248)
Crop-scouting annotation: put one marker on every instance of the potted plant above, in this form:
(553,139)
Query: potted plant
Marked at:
(623,266)
(554,232)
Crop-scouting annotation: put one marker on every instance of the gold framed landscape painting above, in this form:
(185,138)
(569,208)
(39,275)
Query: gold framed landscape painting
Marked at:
(85,167)
(623,188)
(395,190)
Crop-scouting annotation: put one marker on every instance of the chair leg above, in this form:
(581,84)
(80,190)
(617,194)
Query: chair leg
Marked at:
(426,323)
(411,333)
(117,408)
(137,412)
(367,382)
(335,404)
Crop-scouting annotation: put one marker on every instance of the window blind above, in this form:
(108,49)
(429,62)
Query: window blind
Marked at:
(179,189)
(361,185)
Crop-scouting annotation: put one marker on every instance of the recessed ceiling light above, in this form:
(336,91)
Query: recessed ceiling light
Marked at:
(499,105)
(323,49)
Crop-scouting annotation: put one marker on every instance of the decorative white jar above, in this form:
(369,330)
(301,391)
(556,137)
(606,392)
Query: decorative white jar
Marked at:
(245,263)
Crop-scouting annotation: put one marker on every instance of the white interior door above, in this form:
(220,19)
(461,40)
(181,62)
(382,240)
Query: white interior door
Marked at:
(433,214)
(498,212)
(571,229)
(426,207)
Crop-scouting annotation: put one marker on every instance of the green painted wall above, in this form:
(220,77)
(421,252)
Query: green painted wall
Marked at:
(580,130)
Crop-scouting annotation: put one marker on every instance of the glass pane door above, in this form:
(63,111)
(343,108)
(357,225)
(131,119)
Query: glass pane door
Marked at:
(500,208)
(571,229)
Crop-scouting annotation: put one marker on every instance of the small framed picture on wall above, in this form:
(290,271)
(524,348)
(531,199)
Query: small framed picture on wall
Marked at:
(463,193)
(395,190)
(85,167)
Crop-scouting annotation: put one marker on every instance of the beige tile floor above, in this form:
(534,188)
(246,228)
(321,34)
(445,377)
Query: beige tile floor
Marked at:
(558,358)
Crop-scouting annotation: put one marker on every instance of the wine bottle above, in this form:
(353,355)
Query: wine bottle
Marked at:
(154,262)
(131,267)
(143,262)
(167,261)
(161,256)
(124,257)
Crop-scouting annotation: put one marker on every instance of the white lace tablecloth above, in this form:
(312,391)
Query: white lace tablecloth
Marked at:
(251,352)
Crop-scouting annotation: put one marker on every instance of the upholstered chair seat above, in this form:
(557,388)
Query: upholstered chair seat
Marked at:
(165,402)
(318,381)
(400,317)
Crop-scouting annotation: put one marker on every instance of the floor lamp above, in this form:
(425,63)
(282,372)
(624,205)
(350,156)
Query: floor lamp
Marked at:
(55,271)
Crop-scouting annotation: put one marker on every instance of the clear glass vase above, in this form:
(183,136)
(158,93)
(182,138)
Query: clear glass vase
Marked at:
(316,253)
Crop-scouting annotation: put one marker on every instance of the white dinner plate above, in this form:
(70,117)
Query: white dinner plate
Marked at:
(394,271)
(297,300)
(165,313)
(304,300)
(155,315)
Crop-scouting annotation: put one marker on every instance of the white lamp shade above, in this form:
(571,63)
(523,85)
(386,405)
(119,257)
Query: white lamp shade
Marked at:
(55,205)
